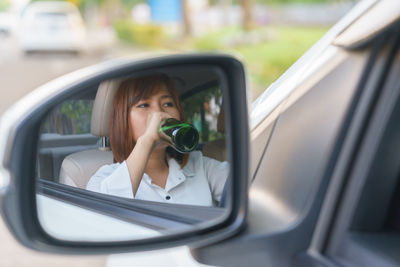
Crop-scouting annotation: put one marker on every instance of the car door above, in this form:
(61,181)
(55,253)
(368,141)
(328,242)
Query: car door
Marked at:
(359,224)
(296,148)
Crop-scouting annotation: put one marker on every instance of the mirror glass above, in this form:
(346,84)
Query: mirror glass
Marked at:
(134,157)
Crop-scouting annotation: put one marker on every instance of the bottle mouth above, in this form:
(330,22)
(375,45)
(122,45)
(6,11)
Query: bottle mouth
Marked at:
(182,136)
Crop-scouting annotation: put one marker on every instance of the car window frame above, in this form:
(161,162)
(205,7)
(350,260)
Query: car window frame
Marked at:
(358,147)
(156,215)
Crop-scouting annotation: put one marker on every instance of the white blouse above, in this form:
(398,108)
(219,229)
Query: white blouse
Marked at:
(200,182)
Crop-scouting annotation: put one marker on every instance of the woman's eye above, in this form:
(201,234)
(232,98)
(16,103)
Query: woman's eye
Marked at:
(168,104)
(143,105)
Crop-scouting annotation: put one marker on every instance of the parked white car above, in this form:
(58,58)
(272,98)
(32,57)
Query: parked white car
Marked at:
(52,26)
(8,23)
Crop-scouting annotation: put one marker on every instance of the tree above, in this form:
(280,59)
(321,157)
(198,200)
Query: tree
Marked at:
(247,21)
(187,25)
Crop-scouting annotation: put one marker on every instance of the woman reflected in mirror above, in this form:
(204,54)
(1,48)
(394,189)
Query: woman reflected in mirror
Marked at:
(145,166)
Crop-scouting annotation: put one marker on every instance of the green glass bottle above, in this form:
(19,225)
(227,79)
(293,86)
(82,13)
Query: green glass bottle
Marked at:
(182,136)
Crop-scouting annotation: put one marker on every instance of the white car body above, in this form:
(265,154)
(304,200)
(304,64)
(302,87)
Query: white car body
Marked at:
(8,21)
(52,26)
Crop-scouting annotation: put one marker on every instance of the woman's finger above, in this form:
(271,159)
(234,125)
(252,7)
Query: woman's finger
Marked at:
(153,123)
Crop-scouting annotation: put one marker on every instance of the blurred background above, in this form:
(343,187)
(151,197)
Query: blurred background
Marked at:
(41,40)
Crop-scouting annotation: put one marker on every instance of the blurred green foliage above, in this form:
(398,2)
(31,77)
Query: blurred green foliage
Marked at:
(87,3)
(48,0)
(267,2)
(80,114)
(138,34)
(4,5)
(276,50)
(267,61)
(70,117)
(131,3)
(267,51)
(216,40)
(195,113)
(296,1)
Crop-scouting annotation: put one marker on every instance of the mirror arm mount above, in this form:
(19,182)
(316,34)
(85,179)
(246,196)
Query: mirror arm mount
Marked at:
(105,144)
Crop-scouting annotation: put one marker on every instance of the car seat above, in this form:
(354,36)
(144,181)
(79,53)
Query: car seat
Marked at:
(77,168)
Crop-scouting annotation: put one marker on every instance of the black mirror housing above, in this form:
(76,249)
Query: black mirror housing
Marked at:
(20,132)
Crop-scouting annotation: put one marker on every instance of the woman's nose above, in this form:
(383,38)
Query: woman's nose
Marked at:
(158,108)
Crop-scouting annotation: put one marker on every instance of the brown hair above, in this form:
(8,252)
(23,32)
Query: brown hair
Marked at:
(130,92)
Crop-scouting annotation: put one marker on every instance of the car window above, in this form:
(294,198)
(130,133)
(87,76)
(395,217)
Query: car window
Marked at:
(203,110)
(69,118)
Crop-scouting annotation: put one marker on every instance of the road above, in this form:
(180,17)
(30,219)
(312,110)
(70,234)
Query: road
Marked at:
(20,74)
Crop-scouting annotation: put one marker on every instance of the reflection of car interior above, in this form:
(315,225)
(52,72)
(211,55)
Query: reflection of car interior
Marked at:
(77,168)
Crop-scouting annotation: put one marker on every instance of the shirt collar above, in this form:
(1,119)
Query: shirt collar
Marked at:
(189,169)
(176,175)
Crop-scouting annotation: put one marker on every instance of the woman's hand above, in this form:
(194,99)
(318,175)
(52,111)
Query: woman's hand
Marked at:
(153,124)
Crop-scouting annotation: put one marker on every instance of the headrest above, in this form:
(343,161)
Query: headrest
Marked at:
(102,107)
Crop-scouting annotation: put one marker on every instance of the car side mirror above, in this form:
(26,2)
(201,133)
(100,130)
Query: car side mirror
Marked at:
(51,137)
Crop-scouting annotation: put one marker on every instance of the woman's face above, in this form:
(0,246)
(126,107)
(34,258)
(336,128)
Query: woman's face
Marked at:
(161,101)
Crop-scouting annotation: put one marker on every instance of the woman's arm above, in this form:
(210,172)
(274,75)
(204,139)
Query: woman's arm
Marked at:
(137,160)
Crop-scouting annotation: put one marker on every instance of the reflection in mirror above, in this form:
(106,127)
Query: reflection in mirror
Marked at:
(135,157)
